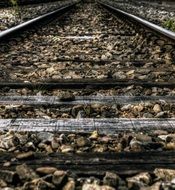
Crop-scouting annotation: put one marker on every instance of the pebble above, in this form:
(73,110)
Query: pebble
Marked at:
(164,174)
(25,155)
(160,114)
(45,136)
(144,177)
(139,108)
(25,173)
(135,145)
(96,187)
(7,188)
(109,47)
(7,164)
(67,96)
(160,132)
(50,70)
(96,106)
(100,148)
(170,146)
(143,138)
(160,42)
(111,179)
(126,107)
(157,108)
(54,144)
(131,72)
(66,149)
(38,184)
(8,141)
(119,75)
(81,142)
(81,114)
(155,186)
(148,115)
(59,177)
(46,170)
(142,77)
(94,135)
(70,185)
(2,183)
(173,181)
(134,184)
(8,176)
(104,57)
(76,109)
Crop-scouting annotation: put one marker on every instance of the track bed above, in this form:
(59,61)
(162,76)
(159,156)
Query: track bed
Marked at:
(87,102)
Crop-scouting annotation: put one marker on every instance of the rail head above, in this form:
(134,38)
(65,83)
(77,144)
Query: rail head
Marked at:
(158,29)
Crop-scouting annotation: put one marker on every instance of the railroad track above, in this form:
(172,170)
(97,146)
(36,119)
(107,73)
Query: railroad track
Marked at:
(159,14)
(87,102)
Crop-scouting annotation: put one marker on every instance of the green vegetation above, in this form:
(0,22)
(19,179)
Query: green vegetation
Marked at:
(17,9)
(170,24)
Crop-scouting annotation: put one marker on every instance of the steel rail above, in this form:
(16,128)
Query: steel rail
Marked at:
(6,33)
(152,26)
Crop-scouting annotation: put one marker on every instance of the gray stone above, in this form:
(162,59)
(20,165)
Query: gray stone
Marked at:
(81,114)
(9,176)
(43,185)
(82,141)
(45,136)
(25,173)
(76,109)
(54,144)
(126,107)
(135,145)
(147,115)
(139,181)
(160,132)
(160,114)
(144,177)
(119,75)
(111,179)
(38,184)
(133,184)
(67,96)
(143,138)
